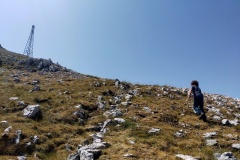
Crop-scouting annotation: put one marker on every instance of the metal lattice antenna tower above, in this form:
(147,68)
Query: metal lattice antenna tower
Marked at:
(29,46)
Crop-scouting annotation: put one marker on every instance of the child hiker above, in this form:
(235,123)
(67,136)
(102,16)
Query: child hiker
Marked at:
(198,100)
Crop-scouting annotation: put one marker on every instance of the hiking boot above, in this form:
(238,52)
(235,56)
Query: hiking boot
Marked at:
(204,118)
(201,116)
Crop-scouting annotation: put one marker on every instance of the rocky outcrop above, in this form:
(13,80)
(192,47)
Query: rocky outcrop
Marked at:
(22,62)
(92,151)
(41,64)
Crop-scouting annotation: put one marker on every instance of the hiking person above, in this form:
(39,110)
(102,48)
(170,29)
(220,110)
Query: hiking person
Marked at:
(198,99)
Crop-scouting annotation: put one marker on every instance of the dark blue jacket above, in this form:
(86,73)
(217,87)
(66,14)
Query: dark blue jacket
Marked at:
(196,91)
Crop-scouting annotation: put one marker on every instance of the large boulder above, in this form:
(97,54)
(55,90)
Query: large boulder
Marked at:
(31,111)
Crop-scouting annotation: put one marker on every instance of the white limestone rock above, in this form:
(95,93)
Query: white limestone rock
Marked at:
(186,157)
(19,133)
(21,158)
(8,129)
(85,155)
(35,139)
(211,142)
(209,134)
(5,123)
(21,103)
(78,106)
(147,109)
(117,100)
(225,156)
(232,136)
(101,105)
(128,97)
(179,134)
(113,113)
(236,146)
(31,111)
(217,118)
(225,122)
(119,120)
(129,155)
(154,130)
(126,103)
(100,98)
(74,156)
(234,122)
(34,82)
(13,98)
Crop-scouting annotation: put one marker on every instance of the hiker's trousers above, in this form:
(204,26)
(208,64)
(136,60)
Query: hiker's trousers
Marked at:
(198,104)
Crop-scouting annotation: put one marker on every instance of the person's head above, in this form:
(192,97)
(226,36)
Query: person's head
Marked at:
(194,83)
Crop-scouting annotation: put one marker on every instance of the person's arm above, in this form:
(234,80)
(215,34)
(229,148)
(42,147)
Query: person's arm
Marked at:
(189,94)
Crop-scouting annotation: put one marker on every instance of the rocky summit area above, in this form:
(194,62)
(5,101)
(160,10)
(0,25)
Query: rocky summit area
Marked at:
(50,112)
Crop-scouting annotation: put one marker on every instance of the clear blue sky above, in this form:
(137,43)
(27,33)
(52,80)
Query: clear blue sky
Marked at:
(165,42)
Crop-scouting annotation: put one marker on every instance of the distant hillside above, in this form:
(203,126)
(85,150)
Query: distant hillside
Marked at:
(50,112)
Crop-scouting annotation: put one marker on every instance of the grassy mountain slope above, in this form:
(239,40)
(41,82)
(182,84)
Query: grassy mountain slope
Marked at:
(60,131)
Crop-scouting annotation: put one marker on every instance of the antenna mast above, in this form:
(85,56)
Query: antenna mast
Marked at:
(29,46)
